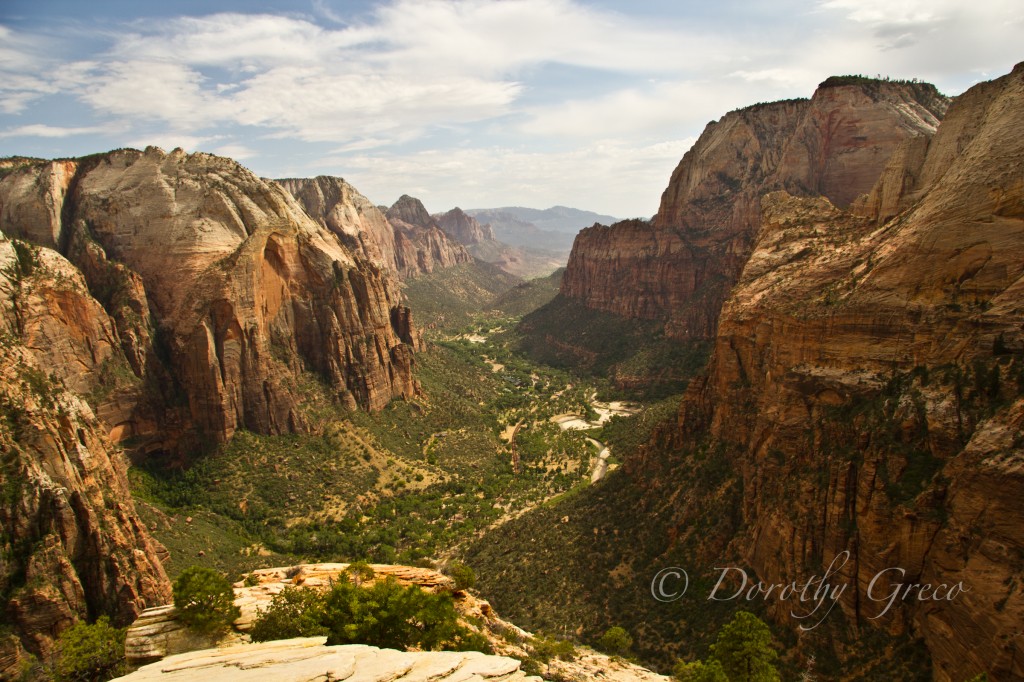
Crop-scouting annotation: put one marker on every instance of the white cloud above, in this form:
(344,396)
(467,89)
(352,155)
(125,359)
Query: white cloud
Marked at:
(412,66)
(886,12)
(239,152)
(484,37)
(41,130)
(20,81)
(169,140)
(654,111)
(282,73)
(151,90)
(315,105)
(237,41)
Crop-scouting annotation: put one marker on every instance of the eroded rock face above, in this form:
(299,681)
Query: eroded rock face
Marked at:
(243,286)
(420,244)
(189,298)
(339,207)
(867,381)
(71,545)
(680,266)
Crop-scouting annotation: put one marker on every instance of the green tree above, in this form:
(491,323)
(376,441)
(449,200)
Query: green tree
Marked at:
(390,616)
(360,572)
(293,612)
(205,600)
(89,653)
(615,641)
(462,574)
(744,648)
(700,671)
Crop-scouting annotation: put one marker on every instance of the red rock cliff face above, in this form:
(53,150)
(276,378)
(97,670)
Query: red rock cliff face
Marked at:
(71,545)
(681,266)
(464,228)
(868,381)
(245,287)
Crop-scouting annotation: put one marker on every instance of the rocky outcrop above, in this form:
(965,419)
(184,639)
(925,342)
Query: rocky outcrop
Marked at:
(867,384)
(244,288)
(680,266)
(308,659)
(406,241)
(420,244)
(158,634)
(464,228)
(71,545)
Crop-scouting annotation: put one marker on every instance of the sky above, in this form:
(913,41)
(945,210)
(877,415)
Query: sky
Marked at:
(470,103)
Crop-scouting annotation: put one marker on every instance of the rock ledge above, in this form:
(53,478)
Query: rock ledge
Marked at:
(307,658)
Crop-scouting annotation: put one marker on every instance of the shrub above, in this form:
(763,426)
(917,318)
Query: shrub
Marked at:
(293,612)
(89,653)
(700,671)
(386,615)
(462,574)
(546,648)
(390,616)
(205,600)
(615,641)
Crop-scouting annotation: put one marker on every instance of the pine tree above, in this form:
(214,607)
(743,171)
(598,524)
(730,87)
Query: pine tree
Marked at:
(744,648)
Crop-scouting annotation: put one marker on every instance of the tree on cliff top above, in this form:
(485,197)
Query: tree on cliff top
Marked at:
(205,600)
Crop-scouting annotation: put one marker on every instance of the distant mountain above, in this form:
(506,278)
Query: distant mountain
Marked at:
(554,219)
(525,255)
(551,229)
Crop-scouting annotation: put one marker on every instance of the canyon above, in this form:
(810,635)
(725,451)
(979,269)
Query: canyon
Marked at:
(855,263)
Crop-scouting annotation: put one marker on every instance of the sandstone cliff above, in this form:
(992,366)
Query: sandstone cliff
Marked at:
(243,288)
(71,546)
(165,299)
(867,387)
(339,207)
(679,267)
(407,247)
